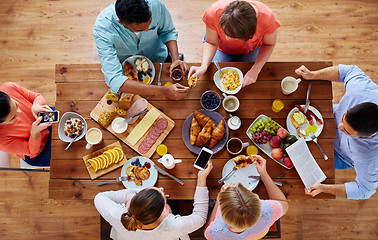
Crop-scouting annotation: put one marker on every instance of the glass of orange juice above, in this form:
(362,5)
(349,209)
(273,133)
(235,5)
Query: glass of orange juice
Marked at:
(161,149)
(277,105)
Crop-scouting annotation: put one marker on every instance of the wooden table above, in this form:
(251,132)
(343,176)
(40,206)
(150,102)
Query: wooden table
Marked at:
(80,86)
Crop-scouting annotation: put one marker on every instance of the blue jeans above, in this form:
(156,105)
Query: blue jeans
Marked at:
(225,57)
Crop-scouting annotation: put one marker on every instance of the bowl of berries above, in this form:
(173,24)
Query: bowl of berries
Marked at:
(210,100)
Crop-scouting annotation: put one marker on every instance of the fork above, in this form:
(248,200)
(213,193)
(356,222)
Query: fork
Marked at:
(118,179)
(315,139)
(160,68)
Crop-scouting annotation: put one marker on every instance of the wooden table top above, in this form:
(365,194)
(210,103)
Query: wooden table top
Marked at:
(80,86)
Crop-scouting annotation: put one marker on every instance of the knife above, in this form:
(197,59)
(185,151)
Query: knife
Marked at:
(136,115)
(308,97)
(169,175)
(227,175)
(160,68)
(259,178)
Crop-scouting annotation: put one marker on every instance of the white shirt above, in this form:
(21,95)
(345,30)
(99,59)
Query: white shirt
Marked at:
(111,205)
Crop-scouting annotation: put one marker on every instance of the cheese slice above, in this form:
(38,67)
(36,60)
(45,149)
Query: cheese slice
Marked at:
(143,126)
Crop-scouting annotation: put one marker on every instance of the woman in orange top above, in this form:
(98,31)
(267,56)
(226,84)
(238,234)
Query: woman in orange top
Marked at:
(21,132)
(238,31)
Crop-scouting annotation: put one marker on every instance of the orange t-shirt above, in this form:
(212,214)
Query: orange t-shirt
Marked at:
(266,24)
(15,138)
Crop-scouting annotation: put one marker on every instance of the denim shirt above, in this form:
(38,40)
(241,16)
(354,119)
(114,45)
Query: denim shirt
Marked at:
(115,42)
(359,152)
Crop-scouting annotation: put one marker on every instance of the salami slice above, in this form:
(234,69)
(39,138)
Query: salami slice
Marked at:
(162,124)
(138,106)
(142,149)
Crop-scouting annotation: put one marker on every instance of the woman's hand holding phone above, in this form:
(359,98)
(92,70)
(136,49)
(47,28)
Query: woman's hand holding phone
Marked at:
(202,175)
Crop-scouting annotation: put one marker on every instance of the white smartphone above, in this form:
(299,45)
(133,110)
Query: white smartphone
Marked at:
(203,157)
(49,117)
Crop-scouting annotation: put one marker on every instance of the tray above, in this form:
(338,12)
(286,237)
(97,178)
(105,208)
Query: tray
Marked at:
(266,148)
(101,172)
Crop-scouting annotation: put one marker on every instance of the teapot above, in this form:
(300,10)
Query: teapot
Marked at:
(168,161)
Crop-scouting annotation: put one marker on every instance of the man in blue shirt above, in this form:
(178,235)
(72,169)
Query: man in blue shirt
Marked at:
(356,143)
(131,27)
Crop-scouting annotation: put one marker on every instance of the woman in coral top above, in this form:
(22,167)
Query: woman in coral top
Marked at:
(238,31)
(21,132)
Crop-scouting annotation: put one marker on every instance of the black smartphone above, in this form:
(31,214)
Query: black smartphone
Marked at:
(49,117)
(203,157)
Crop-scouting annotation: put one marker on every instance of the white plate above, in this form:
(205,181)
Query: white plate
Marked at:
(241,175)
(219,84)
(293,130)
(63,120)
(145,183)
(132,59)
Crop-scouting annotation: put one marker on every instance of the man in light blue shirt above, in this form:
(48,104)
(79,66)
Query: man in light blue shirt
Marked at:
(356,144)
(131,27)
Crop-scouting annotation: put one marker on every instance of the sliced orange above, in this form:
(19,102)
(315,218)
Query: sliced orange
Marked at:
(112,153)
(94,164)
(108,156)
(98,161)
(120,152)
(102,160)
(117,155)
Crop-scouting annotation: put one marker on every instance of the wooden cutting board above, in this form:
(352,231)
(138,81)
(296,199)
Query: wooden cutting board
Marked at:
(106,105)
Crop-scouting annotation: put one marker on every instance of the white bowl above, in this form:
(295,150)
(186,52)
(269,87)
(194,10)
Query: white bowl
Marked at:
(119,128)
(63,120)
(219,84)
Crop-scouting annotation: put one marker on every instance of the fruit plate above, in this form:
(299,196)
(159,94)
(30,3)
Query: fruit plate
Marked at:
(293,130)
(266,148)
(241,175)
(219,83)
(145,183)
(132,59)
(101,172)
(216,117)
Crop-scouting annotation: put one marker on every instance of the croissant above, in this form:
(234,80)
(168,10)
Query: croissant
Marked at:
(217,134)
(195,129)
(205,135)
(242,161)
(202,119)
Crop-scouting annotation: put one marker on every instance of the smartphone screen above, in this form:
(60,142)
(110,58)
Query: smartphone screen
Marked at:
(49,117)
(203,158)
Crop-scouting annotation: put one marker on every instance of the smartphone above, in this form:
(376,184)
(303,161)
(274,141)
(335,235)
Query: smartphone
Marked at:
(49,117)
(203,157)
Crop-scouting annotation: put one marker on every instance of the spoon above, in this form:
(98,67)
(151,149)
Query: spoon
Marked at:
(216,64)
(73,140)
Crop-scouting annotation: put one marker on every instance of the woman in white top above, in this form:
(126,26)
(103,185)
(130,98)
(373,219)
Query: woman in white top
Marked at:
(144,218)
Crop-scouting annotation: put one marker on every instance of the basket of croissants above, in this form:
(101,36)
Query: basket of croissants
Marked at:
(203,130)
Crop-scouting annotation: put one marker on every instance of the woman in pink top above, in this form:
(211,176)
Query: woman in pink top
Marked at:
(238,31)
(21,132)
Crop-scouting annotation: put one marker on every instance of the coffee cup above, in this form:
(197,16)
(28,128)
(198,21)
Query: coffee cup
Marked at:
(289,85)
(235,145)
(93,136)
(168,161)
(230,103)
(234,122)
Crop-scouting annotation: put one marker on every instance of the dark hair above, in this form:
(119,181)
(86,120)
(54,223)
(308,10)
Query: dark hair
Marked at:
(4,106)
(239,20)
(363,118)
(145,208)
(132,11)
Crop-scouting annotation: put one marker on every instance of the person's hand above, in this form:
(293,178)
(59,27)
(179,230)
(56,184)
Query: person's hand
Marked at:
(196,71)
(302,71)
(175,91)
(37,108)
(314,189)
(227,185)
(37,127)
(250,77)
(202,175)
(260,164)
(181,64)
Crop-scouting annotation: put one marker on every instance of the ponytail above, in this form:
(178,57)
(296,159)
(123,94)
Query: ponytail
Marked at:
(130,222)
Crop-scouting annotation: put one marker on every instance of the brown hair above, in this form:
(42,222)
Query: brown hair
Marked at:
(239,20)
(240,207)
(145,208)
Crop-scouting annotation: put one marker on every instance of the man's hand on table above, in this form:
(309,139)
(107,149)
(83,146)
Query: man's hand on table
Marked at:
(181,64)
(335,189)
(202,175)
(304,72)
(175,91)
(250,77)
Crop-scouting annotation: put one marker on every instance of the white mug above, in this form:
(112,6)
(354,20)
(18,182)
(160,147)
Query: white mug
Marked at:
(234,143)
(230,103)
(93,136)
(289,85)
(168,161)
(234,122)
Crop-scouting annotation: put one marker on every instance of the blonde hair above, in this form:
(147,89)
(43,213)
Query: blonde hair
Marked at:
(240,207)
(239,20)
(145,208)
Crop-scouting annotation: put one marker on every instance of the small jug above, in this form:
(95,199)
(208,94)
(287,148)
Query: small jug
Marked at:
(168,161)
